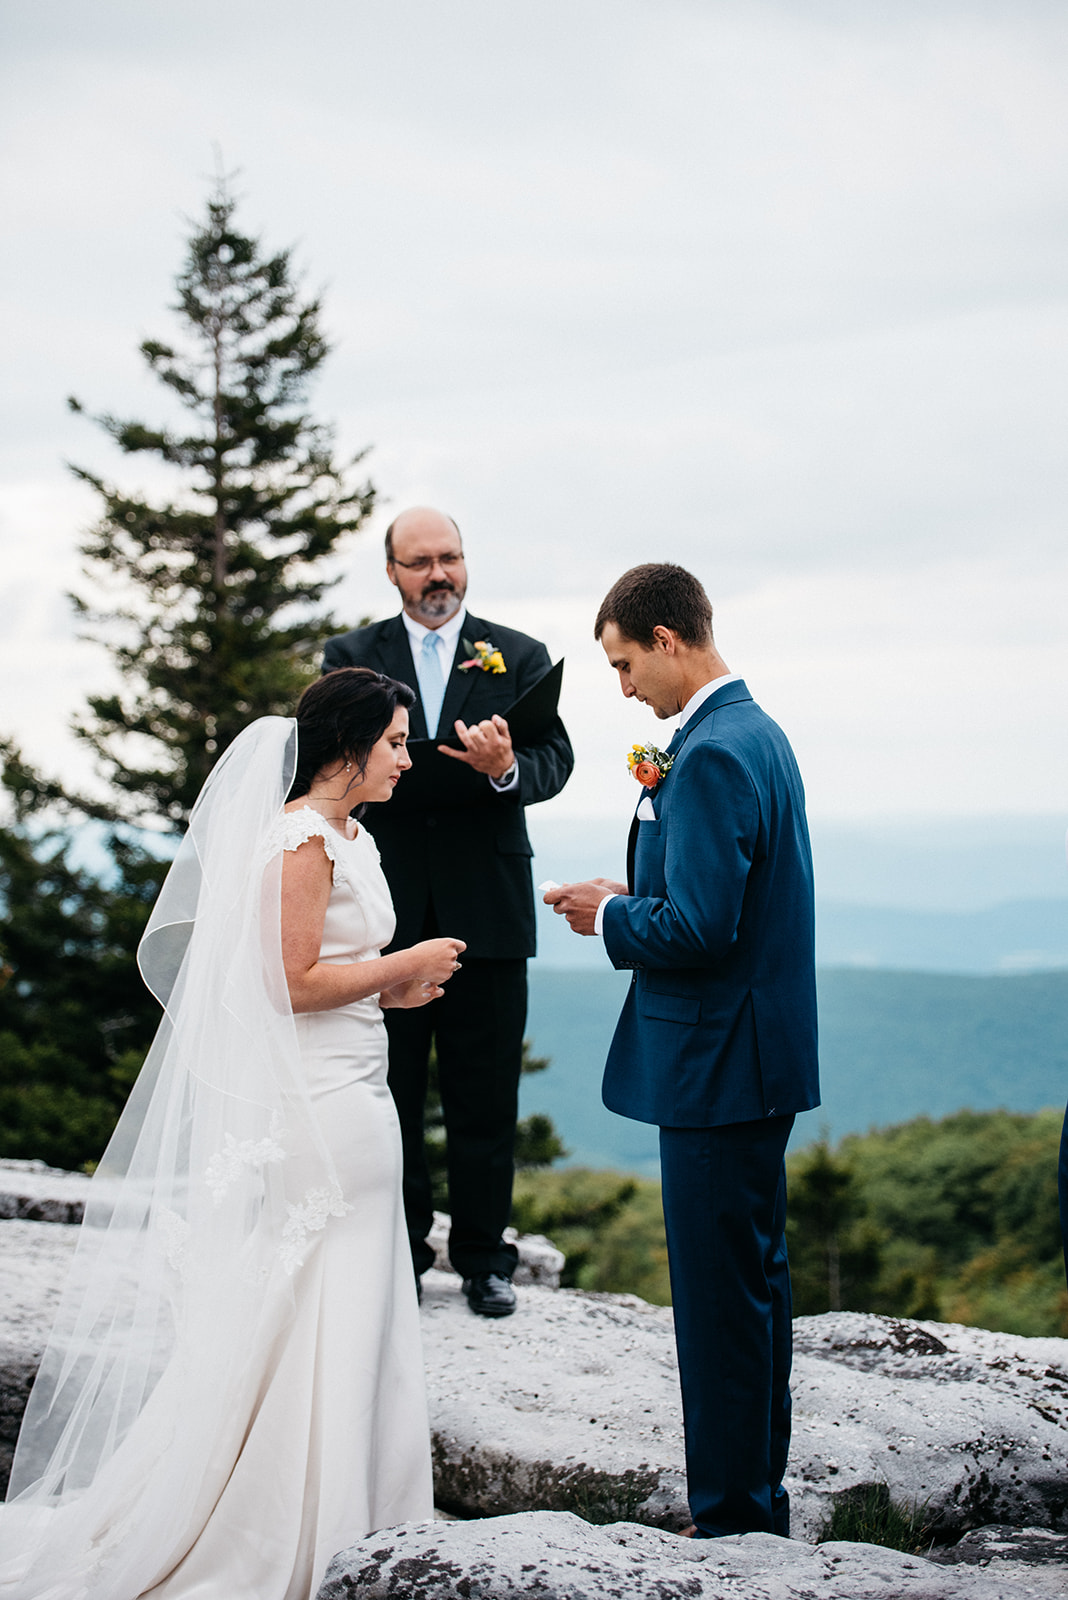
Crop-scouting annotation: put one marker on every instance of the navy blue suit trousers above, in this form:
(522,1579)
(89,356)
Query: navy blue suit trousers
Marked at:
(725,1211)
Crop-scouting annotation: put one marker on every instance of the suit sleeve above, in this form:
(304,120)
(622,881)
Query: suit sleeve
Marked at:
(710,831)
(544,767)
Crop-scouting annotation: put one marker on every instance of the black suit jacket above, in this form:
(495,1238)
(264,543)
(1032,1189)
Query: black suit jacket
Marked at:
(470,861)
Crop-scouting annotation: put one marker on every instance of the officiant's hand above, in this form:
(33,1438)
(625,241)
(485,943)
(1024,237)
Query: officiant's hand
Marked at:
(578,902)
(487,746)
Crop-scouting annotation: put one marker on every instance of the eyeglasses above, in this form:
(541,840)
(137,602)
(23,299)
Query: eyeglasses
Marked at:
(424,563)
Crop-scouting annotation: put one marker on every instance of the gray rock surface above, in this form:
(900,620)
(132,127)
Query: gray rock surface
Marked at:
(1034,1557)
(559,1557)
(33,1260)
(971,1424)
(34,1192)
(572,1404)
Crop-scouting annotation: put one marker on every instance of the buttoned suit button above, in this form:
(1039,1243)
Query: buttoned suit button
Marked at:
(431,822)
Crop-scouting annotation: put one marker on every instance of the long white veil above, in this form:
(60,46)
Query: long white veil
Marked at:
(210,1192)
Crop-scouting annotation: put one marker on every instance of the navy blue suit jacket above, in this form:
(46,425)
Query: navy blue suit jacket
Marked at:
(719,1024)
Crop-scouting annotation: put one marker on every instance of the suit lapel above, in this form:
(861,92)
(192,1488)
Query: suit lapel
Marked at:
(395,656)
(632,846)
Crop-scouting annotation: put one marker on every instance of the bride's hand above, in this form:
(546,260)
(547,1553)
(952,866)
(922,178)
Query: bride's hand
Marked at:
(437,960)
(406,996)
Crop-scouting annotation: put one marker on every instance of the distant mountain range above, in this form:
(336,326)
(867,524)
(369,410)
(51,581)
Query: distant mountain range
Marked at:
(1018,936)
(893,1045)
(910,864)
(967,895)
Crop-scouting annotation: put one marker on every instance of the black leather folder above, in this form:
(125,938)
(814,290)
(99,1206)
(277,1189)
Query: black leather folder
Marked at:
(438,780)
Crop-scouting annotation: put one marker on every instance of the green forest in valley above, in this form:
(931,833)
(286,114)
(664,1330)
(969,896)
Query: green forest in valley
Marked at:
(953,1220)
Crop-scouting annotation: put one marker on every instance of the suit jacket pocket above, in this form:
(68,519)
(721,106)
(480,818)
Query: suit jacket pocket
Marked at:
(670,1007)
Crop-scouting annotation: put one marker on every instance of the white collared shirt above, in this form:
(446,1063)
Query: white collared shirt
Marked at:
(449,633)
(703,693)
(686,713)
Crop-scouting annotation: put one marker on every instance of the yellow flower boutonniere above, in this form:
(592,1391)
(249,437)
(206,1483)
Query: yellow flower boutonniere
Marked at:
(483,655)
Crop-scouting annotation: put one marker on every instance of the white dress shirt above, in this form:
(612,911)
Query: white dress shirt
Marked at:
(449,634)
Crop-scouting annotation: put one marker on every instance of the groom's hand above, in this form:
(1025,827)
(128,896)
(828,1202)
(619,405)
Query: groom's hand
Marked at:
(578,902)
(487,746)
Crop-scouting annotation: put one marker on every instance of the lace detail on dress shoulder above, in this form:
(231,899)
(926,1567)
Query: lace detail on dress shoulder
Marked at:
(294,828)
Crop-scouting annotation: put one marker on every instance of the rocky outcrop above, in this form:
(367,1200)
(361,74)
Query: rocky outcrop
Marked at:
(1034,1558)
(970,1424)
(33,1260)
(30,1191)
(559,1557)
(572,1404)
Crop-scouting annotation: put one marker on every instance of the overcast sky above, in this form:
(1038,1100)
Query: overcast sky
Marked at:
(773,290)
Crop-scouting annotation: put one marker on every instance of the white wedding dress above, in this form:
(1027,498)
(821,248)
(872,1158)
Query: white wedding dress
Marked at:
(244,1471)
(335,1441)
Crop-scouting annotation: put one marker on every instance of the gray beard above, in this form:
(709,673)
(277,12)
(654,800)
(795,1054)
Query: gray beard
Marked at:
(437,607)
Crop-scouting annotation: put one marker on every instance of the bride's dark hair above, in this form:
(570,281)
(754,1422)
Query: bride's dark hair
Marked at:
(340,718)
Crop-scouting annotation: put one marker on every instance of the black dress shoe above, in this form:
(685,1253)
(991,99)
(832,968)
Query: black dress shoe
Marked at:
(490,1294)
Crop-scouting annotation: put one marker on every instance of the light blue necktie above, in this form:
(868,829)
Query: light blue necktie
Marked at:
(431,683)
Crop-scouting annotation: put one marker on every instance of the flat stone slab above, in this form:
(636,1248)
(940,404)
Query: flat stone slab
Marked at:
(972,1425)
(33,1261)
(34,1192)
(572,1404)
(559,1557)
(1036,1558)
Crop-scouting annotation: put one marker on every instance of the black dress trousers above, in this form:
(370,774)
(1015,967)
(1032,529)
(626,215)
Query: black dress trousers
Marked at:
(477,1027)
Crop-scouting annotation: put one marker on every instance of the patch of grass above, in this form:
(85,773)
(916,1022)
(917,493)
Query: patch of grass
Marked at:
(603,1499)
(866,1514)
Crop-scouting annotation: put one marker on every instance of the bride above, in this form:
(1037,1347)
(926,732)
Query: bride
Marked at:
(233,1388)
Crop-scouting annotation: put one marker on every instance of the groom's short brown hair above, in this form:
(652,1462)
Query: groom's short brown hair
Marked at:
(657,594)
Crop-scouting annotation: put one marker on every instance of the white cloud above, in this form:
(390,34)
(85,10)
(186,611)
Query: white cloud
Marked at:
(770,289)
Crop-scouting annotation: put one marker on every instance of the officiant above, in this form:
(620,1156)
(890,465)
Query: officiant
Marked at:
(456,855)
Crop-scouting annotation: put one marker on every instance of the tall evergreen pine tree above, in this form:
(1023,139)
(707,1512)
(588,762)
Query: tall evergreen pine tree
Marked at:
(217,629)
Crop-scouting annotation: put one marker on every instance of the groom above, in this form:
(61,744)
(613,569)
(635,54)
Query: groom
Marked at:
(717,1038)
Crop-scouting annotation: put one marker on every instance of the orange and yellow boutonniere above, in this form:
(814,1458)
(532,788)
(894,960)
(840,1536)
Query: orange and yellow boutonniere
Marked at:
(648,764)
